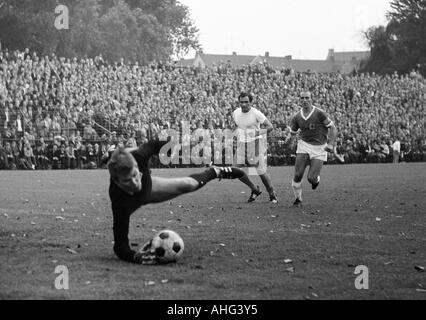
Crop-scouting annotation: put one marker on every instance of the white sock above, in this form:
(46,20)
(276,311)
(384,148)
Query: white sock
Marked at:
(297,189)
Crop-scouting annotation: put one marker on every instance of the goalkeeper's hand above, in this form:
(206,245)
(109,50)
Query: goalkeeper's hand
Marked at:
(145,255)
(144,258)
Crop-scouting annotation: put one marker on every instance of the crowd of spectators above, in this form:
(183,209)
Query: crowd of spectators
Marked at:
(65,113)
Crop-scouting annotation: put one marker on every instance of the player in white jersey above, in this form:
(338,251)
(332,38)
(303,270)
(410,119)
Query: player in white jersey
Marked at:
(314,127)
(252,144)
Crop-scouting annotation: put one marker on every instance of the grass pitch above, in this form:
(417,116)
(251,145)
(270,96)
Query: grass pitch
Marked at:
(372,215)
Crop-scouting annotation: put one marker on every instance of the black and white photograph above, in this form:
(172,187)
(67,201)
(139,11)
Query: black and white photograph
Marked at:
(212,155)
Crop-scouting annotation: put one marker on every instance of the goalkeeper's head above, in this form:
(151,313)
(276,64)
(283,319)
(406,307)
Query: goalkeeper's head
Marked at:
(124,171)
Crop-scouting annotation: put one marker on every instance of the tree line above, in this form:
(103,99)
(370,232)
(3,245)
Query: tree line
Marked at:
(401,44)
(135,30)
(157,30)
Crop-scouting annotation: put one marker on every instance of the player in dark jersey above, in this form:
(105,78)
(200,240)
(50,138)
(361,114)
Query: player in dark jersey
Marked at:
(315,128)
(132,186)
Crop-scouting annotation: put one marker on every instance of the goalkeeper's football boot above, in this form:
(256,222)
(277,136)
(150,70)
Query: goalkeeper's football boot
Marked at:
(254,194)
(297,203)
(229,173)
(315,185)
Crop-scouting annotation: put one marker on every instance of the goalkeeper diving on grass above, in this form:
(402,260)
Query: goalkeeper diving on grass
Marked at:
(132,186)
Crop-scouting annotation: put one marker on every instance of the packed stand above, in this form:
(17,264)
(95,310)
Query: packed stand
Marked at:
(67,113)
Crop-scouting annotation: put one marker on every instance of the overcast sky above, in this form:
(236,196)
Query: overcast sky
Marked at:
(305,29)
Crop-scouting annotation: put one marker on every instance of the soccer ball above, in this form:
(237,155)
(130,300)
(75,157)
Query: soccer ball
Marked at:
(165,247)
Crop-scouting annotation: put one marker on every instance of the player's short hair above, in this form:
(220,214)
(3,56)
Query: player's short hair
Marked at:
(121,163)
(306,92)
(245,94)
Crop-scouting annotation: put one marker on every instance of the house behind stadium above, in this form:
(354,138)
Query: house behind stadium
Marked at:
(342,62)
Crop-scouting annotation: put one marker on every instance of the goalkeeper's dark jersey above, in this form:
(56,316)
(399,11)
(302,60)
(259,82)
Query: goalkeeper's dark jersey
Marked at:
(124,204)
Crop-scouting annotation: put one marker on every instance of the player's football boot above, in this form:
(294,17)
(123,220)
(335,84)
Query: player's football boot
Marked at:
(297,203)
(315,185)
(254,194)
(229,173)
(273,198)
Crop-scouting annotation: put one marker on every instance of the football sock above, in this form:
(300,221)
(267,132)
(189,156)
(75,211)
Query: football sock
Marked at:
(246,180)
(238,173)
(316,181)
(297,189)
(204,177)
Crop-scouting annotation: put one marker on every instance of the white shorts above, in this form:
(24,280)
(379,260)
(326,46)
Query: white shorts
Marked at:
(314,152)
(252,154)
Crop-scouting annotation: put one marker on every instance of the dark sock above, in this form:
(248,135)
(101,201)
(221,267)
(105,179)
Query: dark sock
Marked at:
(204,177)
(238,173)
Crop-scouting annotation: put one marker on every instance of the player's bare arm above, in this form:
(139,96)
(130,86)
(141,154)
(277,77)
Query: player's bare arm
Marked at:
(290,140)
(332,134)
(265,126)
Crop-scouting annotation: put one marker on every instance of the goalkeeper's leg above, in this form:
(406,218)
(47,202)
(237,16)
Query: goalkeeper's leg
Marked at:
(164,189)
